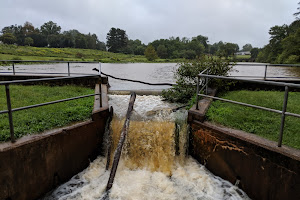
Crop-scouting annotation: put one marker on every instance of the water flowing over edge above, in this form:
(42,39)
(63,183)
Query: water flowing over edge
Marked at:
(172,177)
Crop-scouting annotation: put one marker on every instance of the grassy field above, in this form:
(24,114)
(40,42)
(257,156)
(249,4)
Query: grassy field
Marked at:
(263,123)
(243,56)
(47,117)
(13,52)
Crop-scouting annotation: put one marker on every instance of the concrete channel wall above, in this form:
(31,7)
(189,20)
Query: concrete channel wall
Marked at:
(36,164)
(255,164)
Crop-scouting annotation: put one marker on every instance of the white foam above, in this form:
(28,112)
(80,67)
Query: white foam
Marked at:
(190,181)
(184,178)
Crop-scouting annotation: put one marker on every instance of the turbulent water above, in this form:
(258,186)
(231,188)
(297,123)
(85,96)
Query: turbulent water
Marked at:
(150,167)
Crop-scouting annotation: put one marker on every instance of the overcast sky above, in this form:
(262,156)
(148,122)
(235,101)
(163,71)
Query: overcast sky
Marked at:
(237,21)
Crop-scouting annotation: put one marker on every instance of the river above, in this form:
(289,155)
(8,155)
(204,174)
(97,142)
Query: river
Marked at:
(148,72)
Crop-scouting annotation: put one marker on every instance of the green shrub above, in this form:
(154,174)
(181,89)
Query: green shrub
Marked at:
(292,59)
(186,77)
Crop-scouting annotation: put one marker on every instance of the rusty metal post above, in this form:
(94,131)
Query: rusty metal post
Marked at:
(100,68)
(206,82)
(100,90)
(286,94)
(11,126)
(197,96)
(265,76)
(14,71)
(100,84)
(69,69)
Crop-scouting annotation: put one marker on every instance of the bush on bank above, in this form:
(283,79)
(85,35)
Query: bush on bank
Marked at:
(186,77)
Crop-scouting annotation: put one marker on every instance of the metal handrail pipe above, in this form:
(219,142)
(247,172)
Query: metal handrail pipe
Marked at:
(48,61)
(243,104)
(252,81)
(264,64)
(47,103)
(292,114)
(269,77)
(45,79)
(50,73)
(204,71)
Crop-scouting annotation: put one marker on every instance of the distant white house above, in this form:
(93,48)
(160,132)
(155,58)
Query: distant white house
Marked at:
(242,53)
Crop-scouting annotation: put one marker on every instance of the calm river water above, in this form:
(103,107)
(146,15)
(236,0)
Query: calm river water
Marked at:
(148,72)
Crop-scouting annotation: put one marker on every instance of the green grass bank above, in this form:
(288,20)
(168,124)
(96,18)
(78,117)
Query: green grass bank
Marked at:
(14,52)
(43,118)
(262,123)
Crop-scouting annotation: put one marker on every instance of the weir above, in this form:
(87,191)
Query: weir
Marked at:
(149,167)
(154,163)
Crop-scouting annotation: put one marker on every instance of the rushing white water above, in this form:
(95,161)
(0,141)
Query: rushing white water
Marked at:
(188,181)
(149,168)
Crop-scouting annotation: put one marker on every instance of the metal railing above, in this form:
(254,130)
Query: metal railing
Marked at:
(42,61)
(10,110)
(273,83)
(266,65)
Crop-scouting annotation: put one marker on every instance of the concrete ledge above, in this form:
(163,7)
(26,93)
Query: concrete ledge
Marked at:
(90,82)
(264,170)
(138,92)
(203,106)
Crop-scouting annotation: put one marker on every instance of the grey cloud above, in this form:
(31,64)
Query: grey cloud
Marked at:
(239,21)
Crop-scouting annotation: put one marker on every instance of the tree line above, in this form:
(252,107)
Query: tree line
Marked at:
(49,35)
(284,44)
(283,47)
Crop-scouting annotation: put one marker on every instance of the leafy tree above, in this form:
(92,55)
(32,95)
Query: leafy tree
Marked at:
(91,41)
(254,53)
(116,40)
(196,46)
(39,40)
(291,49)
(189,54)
(17,31)
(28,29)
(203,40)
(101,46)
(139,50)
(162,51)
(247,47)
(186,77)
(228,49)
(50,28)
(215,48)
(135,47)
(54,40)
(150,53)
(8,38)
(80,41)
(66,40)
(28,41)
